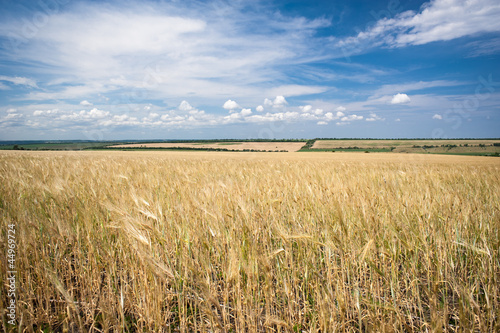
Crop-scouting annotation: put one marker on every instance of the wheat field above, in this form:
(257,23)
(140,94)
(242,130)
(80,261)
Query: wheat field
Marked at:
(249,242)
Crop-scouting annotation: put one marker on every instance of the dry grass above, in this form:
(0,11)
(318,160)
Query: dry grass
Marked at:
(288,146)
(218,242)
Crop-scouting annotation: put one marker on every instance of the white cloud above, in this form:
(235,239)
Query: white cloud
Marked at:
(413,86)
(85,115)
(231,105)
(340,109)
(400,99)
(318,112)
(442,20)
(19,81)
(279,101)
(12,116)
(11,110)
(153,116)
(86,103)
(185,106)
(373,117)
(329,116)
(306,108)
(351,118)
(169,49)
(296,90)
(322,123)
(340,114)
(437,20)
(484,47)
(259,108)
(46,112)
(246,112)
(437,116)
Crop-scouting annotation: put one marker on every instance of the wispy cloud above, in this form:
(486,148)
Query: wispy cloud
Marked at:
(206,50)
(437,20)
(155,66)
(389,89)
(23,81)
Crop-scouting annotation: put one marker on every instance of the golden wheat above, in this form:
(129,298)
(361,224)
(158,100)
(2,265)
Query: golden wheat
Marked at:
(221,242)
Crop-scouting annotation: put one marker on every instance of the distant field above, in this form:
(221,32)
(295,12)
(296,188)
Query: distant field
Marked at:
(479,147)
(448,147)
(54,145)
(288,146)
(197,241)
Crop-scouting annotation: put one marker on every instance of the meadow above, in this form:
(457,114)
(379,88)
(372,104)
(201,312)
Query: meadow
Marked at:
(251,242)
(479,147)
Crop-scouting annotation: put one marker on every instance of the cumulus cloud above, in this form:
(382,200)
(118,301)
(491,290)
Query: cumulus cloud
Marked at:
(86,103)
(259,108)
(306,108)
(437,116)
(329,116)
(85,115)
(46,112)
(152,116)
(373,117)
(183,116)
(351,117)
(279,101)
(400,99)
(340,109)
(231,105)
(185,106)
(246,112)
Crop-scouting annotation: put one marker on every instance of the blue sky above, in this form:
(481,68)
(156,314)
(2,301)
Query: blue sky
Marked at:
(249,69)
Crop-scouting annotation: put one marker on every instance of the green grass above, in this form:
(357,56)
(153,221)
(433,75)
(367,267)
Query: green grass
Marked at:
(371,150)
